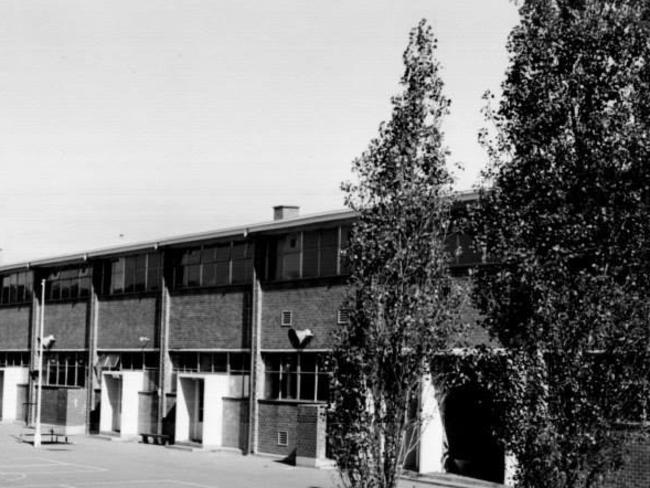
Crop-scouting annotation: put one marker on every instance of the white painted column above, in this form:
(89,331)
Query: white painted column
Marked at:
(131,384)
(182,424)
(215,388)
(432,434)
(510,470)
(106,409)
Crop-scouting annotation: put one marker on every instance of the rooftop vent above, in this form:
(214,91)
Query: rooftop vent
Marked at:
(285,212)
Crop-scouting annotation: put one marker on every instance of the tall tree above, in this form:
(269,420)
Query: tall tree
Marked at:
(401,296)
(566,219)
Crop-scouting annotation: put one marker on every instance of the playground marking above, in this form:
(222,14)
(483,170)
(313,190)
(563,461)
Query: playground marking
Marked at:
(164,483)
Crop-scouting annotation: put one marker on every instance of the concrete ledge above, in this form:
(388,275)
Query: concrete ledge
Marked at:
(308,462)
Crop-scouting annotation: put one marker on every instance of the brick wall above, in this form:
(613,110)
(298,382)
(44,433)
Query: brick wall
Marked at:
(636,471)
(274,417)
(210,320)
(122,322)
(311,431)
(14,327)
(68,322)
(313,307)
(63,406)
(147,411)
(235,423)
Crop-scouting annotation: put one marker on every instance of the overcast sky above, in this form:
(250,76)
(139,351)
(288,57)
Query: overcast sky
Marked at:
(128,120)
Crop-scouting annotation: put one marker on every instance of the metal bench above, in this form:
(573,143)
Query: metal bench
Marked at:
(160,439)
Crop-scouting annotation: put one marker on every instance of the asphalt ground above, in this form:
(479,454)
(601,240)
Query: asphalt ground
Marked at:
(92,462)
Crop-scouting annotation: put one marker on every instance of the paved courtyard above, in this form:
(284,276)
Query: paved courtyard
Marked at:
(91,462)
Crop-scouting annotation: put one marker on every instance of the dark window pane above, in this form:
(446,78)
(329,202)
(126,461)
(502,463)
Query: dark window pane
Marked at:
(139,279)
(153,278)
(242,270)
(209,254)
(310,262)
(65,288)
(289,386)
(55,290)
(239,250)
(345,240)
(129,274)
(307,384)
(192,275)
(323,387)
(117,276)
(308,362)
(84,286)
(291,266)
(223,252)
(73,284)
(223,272)
(13,283)
(220,362)
(192,256)
(272,386)
(209,274)
(328,259)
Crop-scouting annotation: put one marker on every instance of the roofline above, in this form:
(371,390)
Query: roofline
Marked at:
(239,231)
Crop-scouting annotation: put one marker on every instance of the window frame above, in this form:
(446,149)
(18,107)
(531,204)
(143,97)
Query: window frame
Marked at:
(66,279)
(211,257)
(115,272)
(16,287)
(299,375)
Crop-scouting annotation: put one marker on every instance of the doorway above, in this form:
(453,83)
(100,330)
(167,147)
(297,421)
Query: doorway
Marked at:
(114,390)
(194,392)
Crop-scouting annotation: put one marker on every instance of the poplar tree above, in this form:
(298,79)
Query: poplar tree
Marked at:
(401,297)
(565,220)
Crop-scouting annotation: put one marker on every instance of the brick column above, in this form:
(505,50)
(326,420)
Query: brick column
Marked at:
(311,436)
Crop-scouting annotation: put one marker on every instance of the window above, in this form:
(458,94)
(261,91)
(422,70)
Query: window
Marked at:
(14,358)
(308,254)
(16,288)
(64,368)
(214,265)
(300,376)
(68,284)
(146,361)
(235,364)
(133,274)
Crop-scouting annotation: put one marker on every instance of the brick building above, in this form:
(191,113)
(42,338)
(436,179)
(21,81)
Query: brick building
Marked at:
(213,339)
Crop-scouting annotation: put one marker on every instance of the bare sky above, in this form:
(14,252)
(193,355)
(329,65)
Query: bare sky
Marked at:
(149,118)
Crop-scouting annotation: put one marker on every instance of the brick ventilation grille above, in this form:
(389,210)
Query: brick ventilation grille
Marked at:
(283,438)
(343,316)
(287,318)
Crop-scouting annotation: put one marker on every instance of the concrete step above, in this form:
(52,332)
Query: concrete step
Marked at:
(446,480)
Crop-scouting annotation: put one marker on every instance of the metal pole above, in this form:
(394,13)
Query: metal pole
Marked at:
(39,385)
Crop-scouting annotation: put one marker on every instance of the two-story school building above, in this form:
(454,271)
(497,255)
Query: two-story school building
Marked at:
(214,339)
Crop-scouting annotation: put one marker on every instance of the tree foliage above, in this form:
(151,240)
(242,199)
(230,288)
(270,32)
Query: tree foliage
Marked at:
(566,219)
(401,297)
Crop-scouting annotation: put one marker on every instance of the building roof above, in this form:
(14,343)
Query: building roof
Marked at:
(239,231)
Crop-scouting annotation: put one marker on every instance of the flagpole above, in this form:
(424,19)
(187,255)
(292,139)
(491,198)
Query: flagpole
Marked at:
(39,385)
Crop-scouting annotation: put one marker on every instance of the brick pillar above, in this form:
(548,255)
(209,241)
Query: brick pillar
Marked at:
(311,436)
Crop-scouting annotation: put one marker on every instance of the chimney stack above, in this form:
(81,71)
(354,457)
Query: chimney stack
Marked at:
(281,212)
